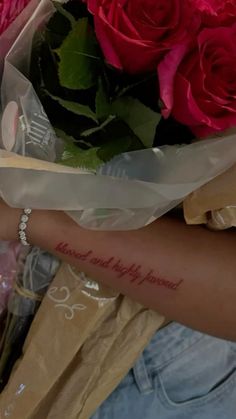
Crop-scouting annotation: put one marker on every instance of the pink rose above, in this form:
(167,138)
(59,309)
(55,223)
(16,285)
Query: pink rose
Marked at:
(202,92)
(9,10)
(135,34)
(216,12)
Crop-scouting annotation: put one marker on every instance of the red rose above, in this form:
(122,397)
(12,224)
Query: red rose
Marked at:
(216,12)
(9,11)
(202,93)
(135,34)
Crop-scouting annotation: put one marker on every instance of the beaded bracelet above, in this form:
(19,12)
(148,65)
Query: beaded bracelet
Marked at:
(23,226)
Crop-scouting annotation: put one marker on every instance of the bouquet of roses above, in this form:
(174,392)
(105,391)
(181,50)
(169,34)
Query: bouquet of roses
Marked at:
(115,79)
(189,43)
(106,69)
(92,93)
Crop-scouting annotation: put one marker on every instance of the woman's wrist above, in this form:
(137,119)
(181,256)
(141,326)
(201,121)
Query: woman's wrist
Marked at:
(38,226)
(43,225)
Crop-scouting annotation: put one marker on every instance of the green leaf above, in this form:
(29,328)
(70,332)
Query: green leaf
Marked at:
(113,148)
(64,136)
(69,139)
(79,57)
(95,130)
(141,119)
(76,108)
(103,106)
(119,139)
(74,156)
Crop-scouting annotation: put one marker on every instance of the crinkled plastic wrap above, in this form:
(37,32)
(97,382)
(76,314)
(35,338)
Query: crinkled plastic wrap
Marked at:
(8,264)
(9,36)
(128,192)
(35,271)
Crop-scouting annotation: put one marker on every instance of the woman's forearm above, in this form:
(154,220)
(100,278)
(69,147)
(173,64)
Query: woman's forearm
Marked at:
(186,273)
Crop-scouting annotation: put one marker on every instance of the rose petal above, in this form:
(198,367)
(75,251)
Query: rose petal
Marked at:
(135,34)
(9,10)
(166,73)
(109,50)
(125,53)
(185,108)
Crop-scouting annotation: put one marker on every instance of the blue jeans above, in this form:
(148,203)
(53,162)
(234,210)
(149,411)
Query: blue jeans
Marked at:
(182,374)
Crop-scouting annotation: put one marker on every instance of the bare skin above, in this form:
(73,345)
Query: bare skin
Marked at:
(186,273)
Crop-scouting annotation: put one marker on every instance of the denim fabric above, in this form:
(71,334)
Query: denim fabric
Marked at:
(182,374)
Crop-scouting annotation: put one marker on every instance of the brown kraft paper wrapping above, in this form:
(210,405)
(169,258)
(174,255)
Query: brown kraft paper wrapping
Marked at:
(65,319)
(79,348)
(214,202)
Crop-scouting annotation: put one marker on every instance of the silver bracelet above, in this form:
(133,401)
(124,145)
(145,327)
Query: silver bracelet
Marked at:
(23,226)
